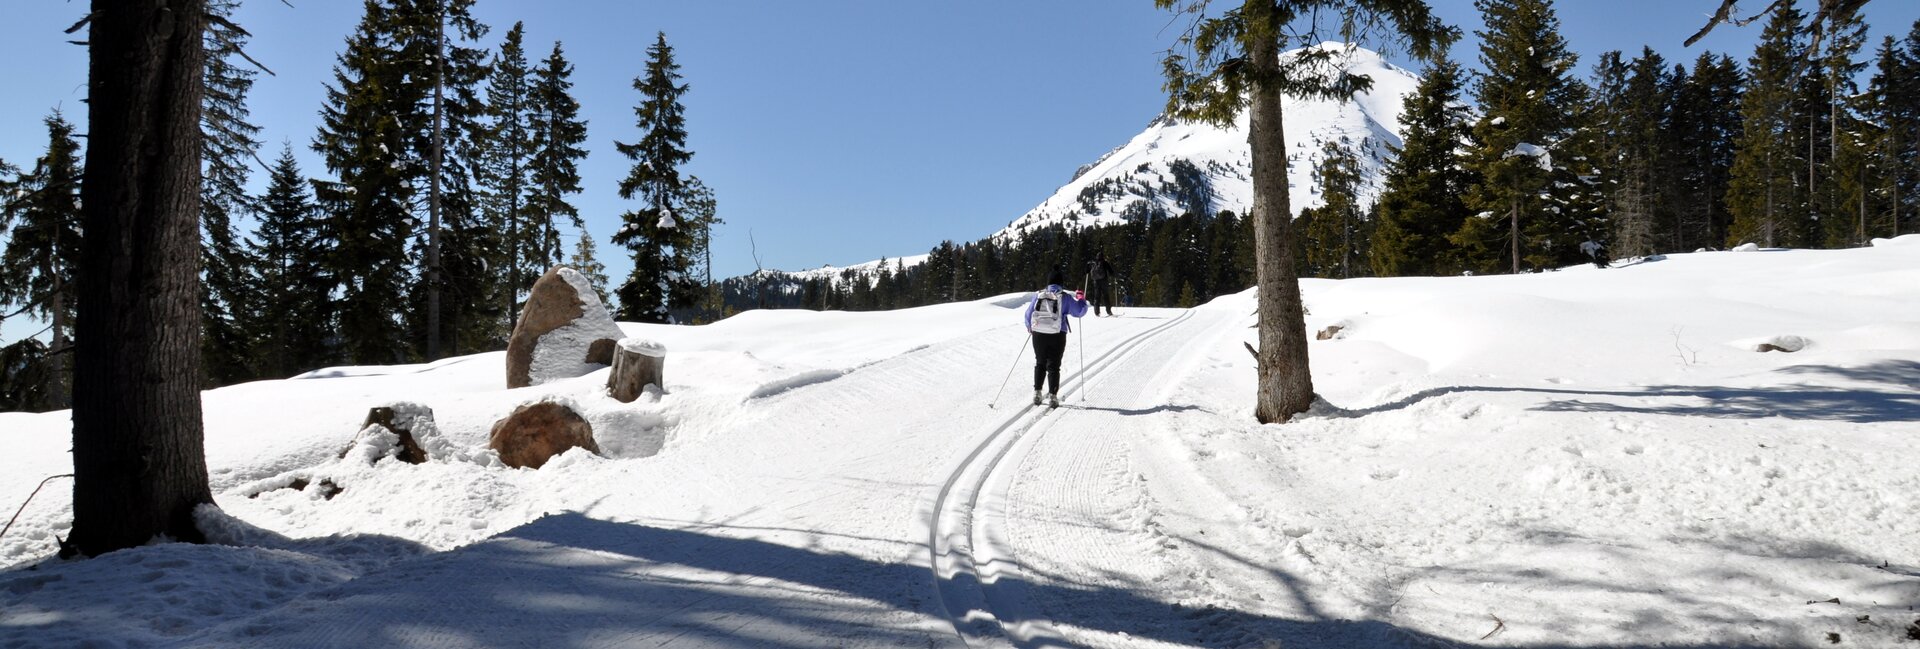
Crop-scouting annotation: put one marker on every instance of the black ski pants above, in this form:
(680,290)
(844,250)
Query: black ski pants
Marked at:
(1047,351)
(1101,292)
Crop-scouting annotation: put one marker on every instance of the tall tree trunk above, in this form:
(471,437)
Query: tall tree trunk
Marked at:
(1286,380)
(433,184)
(1513,215)
(139,462)
(60,351)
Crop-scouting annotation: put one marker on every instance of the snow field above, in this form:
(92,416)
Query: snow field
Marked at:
(1579,458)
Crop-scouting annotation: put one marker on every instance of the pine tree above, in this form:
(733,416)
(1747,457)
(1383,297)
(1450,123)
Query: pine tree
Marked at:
(558,133)
(1530,105)
(294,288)
(504,171)
(1337,234)
(1706,124)
(1842,195)
(1236,65)
(654,233)
(700,215)
(1893,155)
(39,267)
(585,261)
(228,147)
(1634,103)
(366,143)
(1421,204)
(1768,206)
(440,50)
(438,53)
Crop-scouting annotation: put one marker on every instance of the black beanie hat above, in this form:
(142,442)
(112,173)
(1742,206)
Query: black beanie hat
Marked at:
(1055,277)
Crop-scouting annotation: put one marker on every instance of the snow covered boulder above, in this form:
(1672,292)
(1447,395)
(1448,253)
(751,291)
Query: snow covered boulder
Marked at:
(1782,343)
(537,432)
(564,331)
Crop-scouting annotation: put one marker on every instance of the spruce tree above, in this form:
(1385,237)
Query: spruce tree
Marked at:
(1530,103)
(438,53)
(1767,204)
(1636,154)
(1337,235)
(366,143)
(505,171)
(228,149)
(655,233)
(39,266)
(1842,195)
(1893,154)
(458,310)
(701,214)
(1706,124)
(294,298)
(584,259)
(558,134)
(1421,204)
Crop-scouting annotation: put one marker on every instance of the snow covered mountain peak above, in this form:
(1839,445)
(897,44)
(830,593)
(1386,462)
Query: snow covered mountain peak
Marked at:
(1176,166)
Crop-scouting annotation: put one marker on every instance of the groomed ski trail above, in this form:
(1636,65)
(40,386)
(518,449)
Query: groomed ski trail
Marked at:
(978,582)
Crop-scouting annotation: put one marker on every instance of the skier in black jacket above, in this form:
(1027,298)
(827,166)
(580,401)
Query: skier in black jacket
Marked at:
(1100,283)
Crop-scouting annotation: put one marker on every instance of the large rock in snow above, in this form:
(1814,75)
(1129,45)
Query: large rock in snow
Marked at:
(537,432)
(564,331)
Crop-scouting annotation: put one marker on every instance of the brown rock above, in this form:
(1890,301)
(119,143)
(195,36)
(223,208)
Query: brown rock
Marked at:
(560,333)
(1329,333)
(537,432)
(601,351)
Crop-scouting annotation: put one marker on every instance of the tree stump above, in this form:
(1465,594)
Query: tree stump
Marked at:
(636,363)
(409,450)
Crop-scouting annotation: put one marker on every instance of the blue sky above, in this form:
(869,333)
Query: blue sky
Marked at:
(833,131)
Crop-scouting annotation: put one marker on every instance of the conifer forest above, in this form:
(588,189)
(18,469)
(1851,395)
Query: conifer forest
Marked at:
(452,153)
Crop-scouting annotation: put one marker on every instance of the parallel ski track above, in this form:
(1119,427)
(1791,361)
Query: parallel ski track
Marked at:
(958,584)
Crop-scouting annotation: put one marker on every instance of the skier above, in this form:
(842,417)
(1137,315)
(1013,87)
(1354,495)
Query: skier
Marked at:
(1047,320)
(1100,281)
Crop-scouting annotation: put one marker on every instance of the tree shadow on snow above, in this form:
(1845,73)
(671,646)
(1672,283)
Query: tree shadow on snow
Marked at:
(1859,405)
(1139,412)
(568,580)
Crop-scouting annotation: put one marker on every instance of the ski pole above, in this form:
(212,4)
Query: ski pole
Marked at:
(1082,335)
(1016,365)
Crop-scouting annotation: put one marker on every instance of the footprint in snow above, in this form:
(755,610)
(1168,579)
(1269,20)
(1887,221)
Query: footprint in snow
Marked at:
(1384,475)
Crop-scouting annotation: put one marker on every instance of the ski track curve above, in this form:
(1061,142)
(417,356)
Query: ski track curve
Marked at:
(979,584)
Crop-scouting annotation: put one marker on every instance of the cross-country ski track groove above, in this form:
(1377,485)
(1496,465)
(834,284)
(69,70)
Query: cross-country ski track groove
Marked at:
(977,581)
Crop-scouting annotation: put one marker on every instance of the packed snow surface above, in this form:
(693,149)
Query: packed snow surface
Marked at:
(1581,458)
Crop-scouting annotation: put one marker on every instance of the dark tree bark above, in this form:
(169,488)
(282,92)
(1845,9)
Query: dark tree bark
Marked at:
(1286,381)
(138,457)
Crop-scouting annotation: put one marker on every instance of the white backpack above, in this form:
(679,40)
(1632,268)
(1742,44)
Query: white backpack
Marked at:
(1046,313)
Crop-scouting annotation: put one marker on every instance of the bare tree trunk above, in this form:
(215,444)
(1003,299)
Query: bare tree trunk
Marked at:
(139,462)
(1513,213)
(1286,380)
(60,351)
(433,184)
